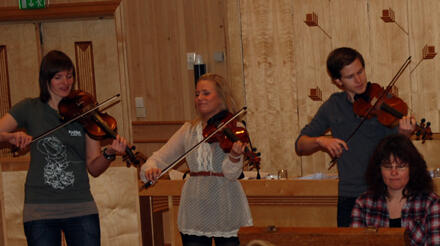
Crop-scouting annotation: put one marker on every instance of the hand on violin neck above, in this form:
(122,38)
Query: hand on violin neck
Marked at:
(118,146)
(236,151)
(407,125)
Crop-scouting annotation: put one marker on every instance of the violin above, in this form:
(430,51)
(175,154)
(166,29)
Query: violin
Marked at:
(230,134)
(98,125)
(388,109)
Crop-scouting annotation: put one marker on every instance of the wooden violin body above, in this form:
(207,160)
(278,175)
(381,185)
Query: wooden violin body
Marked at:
(230,134)
(388,108)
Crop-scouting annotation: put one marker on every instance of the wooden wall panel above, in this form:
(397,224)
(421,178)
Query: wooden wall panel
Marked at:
(5,101)
(21,40)
(159,34)
(268,55)
(310,55)
(424,29)
(85,71)
(234,51)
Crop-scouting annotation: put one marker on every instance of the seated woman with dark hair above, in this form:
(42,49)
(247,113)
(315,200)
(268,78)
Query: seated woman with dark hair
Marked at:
(400,193)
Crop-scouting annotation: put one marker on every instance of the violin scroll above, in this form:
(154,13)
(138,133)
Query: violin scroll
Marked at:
(134,159)
(423,131)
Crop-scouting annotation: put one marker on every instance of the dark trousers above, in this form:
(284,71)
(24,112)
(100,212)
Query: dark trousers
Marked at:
(79,231)
(191,240)
(345,205)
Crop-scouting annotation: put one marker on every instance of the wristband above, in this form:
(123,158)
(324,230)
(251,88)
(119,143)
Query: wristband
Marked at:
(111,157)
(235,158)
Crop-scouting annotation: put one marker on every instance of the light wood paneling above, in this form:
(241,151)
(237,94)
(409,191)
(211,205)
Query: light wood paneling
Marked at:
(424,29)
(159,34)
(234,51)
(21,41)
(85,71)
(310,55)
(5,101)
(270,82)
(150,136)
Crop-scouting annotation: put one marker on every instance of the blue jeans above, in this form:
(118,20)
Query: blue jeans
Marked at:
(191,240)
(79,231)
(345,205)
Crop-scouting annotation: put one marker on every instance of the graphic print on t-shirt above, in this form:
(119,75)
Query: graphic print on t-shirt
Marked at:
(55,154)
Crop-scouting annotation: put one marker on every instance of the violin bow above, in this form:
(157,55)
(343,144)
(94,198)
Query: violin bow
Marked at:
(386,91)
(184,155)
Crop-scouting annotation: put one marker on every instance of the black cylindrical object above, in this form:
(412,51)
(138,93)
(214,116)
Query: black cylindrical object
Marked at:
(199,70)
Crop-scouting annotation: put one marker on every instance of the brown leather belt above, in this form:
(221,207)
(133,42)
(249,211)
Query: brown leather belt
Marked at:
(205,173)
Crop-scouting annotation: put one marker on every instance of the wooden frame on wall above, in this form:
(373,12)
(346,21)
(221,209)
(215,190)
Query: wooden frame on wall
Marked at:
(61,11)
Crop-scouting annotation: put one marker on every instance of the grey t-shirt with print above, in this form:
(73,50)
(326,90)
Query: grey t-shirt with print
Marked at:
(57,175)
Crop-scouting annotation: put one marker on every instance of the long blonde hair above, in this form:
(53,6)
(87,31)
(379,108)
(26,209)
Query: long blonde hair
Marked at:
(223,90)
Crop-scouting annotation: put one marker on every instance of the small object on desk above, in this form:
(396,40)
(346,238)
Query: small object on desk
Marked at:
(272,228)
(272,176)
(436,173)
(282,174)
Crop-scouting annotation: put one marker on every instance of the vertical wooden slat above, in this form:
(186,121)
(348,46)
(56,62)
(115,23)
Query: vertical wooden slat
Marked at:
(2,212)
(85,72)
(5,99)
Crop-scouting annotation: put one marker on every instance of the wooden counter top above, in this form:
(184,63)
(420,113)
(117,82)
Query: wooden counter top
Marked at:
(283,188)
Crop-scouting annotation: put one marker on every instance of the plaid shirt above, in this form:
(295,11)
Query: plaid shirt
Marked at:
(420,216)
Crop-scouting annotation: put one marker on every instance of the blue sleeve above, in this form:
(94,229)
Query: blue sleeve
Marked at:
(319,124)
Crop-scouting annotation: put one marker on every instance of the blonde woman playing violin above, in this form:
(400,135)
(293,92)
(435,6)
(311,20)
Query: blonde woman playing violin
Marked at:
(213,203)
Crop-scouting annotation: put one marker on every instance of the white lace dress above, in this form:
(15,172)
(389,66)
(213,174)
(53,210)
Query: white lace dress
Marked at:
(210,206)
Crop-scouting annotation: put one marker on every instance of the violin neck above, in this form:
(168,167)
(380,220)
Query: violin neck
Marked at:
(385,107)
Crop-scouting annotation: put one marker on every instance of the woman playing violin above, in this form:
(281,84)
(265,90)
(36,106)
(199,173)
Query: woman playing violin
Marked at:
(346,68)
(57,190)
(213,203)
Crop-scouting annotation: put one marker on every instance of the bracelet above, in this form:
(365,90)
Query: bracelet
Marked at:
(235,158)
(111,157)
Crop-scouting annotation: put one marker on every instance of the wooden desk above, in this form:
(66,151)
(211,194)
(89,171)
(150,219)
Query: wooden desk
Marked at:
(332,236)
(306,203)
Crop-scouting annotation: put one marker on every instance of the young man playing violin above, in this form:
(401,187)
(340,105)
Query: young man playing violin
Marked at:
(346,68)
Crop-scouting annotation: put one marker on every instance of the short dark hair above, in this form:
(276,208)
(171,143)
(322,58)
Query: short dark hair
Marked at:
(53,62)
(401,147)
(341,57)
